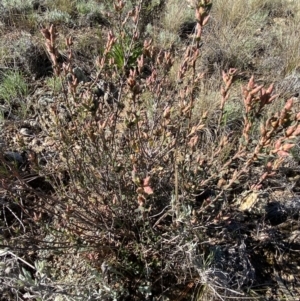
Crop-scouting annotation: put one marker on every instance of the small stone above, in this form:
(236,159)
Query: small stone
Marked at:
(79,74)
(14,157)
(25,132)
(44,101)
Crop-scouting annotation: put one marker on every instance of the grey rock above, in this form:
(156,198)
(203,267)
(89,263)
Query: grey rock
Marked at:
(2,143)
(25,132)
(79,74)
(45,101)
(93,18)
(279,212)
(109,91)
(14,157)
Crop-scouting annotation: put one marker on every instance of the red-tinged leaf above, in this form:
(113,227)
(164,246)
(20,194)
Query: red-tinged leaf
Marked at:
(256,187)
(287,146)
(256,89)
(250,83)
(167,112)
(193,141)
(269,166)
(148,190)
(290,130)
(270,89)
(247,100)
(232,71)
(146,186)
(146,181)
(224,76)
(193,130)
(277,144)
(205,20)
(297,131)
(204,115)
(282,153)
(264,176)
(289,104)
(262,130)
(200,127)
(272,98)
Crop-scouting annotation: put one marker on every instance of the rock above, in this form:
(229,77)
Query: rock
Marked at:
(79,74)
(14,157)
(2,143)
(278,212)
(45,101)
(92,19)
(25,132)
(186,29)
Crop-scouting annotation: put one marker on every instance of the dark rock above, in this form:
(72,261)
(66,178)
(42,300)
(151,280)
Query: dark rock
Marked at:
(92,19)
(279,212)
(15,157)
(79,74)
(186,29)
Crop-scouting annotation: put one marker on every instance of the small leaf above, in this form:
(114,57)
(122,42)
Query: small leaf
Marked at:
(287,146)
(22,278)
(141,200)
(148,190)
(193,141)
(146,186)
(288,104)
(282,153)
(146,181)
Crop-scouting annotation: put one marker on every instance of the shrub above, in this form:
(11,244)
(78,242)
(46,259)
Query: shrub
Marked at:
(141,169)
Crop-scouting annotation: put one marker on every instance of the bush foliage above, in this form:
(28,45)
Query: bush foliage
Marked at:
(128,184)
